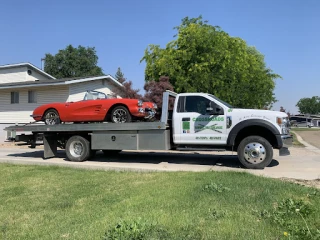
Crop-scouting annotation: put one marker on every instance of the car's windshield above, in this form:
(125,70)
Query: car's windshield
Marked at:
(93,95)
(219,100)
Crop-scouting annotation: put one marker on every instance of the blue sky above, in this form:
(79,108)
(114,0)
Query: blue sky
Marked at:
(286,32)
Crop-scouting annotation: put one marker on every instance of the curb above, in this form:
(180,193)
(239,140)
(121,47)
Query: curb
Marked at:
(307,145)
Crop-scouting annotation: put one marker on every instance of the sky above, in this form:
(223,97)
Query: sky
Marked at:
(285,32)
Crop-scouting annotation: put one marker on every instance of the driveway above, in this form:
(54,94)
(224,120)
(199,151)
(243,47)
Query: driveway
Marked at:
(302,164)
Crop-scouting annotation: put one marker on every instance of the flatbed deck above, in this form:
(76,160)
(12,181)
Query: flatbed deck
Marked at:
(88,127)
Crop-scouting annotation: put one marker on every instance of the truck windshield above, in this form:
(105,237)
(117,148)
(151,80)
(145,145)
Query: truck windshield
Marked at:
(219,100)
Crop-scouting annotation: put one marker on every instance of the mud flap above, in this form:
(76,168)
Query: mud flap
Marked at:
(284,151)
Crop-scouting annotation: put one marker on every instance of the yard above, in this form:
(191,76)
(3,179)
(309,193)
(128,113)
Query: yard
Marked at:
(310,135)
(40,202)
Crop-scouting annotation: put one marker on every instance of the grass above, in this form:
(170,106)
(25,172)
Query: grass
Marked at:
(296,143)
(39,202)
(304,129)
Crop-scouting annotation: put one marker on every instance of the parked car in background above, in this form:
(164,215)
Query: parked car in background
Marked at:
(95,107)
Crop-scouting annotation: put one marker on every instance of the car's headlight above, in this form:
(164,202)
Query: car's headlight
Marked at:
(140,103)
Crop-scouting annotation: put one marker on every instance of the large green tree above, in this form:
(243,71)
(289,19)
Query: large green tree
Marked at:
(73,62)
(309,105)
(204,58)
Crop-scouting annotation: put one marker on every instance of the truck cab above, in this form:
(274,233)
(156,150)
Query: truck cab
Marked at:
(201,119)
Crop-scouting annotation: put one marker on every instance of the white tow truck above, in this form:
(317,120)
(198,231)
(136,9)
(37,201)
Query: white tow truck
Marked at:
(198,122)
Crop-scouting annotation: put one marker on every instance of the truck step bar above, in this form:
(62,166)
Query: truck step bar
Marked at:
(201,149)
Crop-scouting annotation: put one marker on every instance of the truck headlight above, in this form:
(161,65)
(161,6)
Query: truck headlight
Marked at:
(283,123)
(140,103)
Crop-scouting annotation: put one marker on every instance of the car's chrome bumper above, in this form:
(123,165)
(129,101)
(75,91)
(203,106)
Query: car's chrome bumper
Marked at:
(35,115)
(150,113)
(287,141)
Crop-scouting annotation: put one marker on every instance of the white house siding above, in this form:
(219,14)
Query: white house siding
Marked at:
(36,76)
(20,113)
(17,74)
(77,91)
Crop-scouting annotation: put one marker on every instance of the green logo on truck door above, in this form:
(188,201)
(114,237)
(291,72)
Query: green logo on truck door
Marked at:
(213,127)
(186,127)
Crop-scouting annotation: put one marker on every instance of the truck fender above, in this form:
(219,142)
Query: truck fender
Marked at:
(253,122)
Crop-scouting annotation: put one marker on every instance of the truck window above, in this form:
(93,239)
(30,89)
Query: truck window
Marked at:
(196,104)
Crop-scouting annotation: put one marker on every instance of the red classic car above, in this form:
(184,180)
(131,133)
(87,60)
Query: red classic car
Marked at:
(95,107)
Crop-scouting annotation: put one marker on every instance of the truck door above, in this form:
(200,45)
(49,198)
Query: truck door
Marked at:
(199,120)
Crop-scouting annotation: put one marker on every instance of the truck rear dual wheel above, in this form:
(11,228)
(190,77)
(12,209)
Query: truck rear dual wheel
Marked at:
(255,152)
(78,149)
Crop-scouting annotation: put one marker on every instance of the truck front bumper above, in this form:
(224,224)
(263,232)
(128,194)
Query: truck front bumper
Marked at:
(287,141)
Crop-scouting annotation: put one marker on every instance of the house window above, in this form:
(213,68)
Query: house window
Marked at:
(14,97)
(32,96)
(29,72)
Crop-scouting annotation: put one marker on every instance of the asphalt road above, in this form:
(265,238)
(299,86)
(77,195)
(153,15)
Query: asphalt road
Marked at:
(302,164)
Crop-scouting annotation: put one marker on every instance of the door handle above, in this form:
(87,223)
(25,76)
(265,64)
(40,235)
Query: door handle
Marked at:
(185,119)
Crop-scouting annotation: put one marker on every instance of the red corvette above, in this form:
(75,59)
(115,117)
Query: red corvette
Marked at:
(95,107)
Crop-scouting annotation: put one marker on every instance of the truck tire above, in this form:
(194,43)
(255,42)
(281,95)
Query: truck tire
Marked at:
(255,152)
(78,149)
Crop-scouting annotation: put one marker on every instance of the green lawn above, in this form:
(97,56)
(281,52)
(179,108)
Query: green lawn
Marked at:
(296,143)
(38,202)
(305,129)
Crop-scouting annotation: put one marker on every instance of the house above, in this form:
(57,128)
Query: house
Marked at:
(23,87)
(22,72)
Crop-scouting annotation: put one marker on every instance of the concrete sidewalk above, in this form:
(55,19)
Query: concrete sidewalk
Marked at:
(301,164)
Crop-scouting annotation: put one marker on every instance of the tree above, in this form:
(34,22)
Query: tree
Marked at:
(154,91)
(203,58)
(309,105)
(73,62)
(126,91)
(120,76)
(129,92)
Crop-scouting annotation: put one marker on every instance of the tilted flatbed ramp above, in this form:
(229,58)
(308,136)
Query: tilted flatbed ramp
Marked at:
(89,127)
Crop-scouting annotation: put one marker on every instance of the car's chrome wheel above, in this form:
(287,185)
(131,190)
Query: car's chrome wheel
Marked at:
(120,114)
(51,117)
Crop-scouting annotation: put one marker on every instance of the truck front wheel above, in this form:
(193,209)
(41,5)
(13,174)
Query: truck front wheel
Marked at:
(255,152)
(78,149)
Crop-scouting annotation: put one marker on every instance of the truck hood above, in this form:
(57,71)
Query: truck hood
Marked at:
(256,113)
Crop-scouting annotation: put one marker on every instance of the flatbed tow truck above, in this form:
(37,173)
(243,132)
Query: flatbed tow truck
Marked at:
(198,122)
